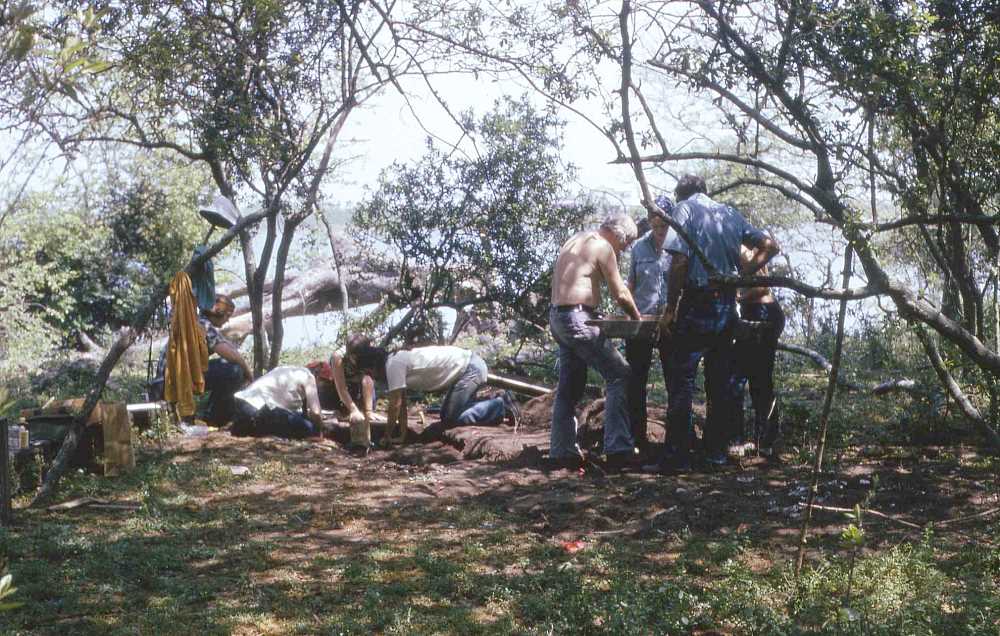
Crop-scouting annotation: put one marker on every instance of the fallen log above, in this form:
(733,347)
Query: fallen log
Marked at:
(904,385)
(313,292)
(820,361)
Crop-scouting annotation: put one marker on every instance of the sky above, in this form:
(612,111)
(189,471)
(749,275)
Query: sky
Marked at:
(390,129)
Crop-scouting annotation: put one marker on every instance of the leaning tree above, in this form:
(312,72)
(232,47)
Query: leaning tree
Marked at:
(255,91)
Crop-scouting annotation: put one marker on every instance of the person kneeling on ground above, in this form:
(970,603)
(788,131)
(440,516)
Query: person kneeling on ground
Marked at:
(457,371)
(362,387)
(227,371)
(274,405)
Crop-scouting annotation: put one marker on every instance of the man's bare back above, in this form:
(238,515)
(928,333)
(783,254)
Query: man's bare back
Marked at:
(577,277)
(753,294)
(585,261)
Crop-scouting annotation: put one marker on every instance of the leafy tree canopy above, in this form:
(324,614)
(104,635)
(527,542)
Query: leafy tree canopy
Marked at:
(483,227)
(85,260)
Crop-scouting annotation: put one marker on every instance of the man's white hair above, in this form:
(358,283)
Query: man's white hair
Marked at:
(621,226)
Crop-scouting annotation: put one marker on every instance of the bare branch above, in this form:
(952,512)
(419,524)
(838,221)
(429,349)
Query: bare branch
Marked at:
(732,98)
(972,219)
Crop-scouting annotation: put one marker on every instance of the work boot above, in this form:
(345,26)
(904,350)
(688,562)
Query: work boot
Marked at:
(625,461)
(571,463)
(673,462)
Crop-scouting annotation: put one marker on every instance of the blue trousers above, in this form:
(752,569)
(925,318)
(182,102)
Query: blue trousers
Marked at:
(703,330)
(580,346)
(223,379)
(460,406)
(276,421)
(755,363)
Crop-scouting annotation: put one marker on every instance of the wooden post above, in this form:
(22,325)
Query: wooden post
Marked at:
(6,516)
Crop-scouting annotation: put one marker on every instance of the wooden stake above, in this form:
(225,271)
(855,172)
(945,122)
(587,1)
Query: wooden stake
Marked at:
(824,418)
(6,514)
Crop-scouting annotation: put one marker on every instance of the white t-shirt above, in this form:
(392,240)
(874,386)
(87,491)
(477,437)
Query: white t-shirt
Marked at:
(426,368)
(284,387)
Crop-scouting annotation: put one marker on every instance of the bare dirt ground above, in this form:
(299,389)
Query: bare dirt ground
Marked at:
(465,533)
(913,488)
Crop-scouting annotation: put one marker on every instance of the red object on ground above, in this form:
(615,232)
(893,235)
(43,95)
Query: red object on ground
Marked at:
(574,546)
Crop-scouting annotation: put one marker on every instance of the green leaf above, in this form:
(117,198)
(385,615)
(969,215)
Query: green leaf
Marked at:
(23,43)
(97,66)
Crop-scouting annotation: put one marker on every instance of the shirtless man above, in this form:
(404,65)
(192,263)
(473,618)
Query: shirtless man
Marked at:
(755,356)
(585,261)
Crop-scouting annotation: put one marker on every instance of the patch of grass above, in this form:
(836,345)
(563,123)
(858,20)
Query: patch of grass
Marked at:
(208,552)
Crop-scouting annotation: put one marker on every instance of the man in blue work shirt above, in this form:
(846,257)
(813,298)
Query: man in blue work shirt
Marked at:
(699,318)
(647,280)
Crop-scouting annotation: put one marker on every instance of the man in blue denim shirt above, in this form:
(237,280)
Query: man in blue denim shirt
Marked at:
(647,280)
(699,318)
(586,261)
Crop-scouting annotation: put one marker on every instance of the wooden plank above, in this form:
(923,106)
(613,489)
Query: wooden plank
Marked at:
(518,386)
(626,327)
(6,513)
(117,429)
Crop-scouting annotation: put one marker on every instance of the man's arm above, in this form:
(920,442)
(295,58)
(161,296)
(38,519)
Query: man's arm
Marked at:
(311,398)
(228,352)
(616,286)
(367,395)
(764,250)
(675,289)
(340,383)
(397,410)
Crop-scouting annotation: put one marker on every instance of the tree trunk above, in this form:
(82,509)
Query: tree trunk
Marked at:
(277,292)
(964,403)
(254,294)
(337,260)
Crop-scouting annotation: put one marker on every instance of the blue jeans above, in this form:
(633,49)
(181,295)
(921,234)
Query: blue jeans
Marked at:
(580,346)
(459,405)
(703,330)
(275,421)
(754,362)
(223,379)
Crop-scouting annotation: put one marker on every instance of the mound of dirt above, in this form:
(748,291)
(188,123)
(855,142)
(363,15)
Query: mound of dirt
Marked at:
(495,443)
(536,413)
